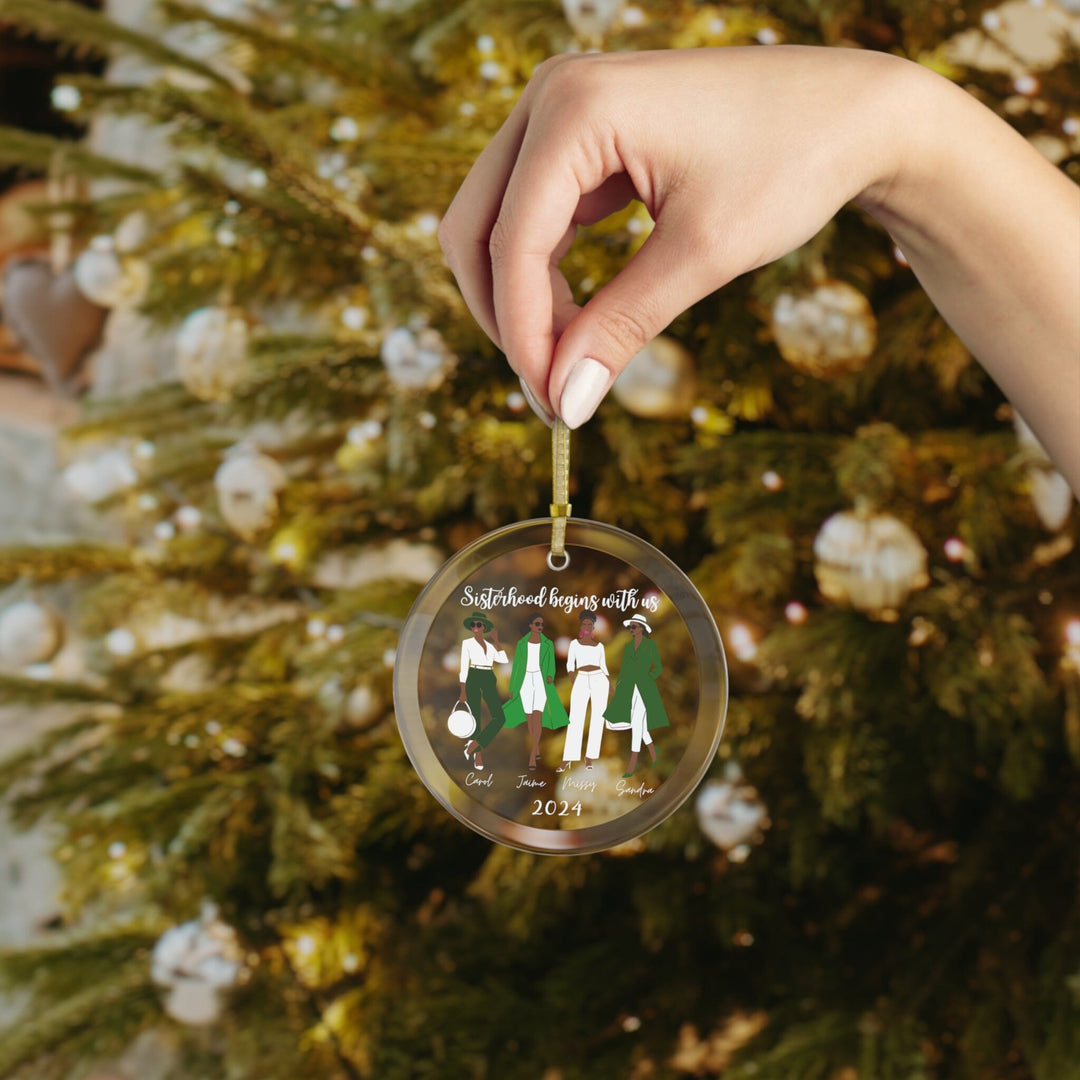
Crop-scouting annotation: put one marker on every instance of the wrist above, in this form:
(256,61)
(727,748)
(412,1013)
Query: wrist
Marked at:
(904,105)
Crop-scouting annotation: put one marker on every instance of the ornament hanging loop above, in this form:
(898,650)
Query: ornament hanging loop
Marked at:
(557,558)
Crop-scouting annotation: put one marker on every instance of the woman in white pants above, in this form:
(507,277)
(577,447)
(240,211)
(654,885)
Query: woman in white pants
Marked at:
(587,667)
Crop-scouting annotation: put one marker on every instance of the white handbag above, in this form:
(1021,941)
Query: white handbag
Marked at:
(462,723)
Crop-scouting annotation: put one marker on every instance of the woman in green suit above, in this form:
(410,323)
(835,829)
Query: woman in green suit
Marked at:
(636,702)
(532,687)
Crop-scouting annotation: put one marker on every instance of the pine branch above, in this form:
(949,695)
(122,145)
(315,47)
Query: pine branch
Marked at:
(377,67)
(26,691)
(90,31)
(44,563)
(120,1001)
(39,152)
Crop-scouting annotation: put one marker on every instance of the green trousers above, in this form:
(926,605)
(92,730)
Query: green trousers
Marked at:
(481,684)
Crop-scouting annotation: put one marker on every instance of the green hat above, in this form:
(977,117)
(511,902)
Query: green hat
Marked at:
(477,616)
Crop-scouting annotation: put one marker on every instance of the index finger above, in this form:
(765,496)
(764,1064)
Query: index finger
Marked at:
(551,175)
(465,230)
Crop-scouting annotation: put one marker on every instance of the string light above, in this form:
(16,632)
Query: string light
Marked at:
(955,549)
(742,642)
(188,517)
(795,613)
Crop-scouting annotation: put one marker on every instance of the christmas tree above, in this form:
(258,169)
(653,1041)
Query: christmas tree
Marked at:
(879,878)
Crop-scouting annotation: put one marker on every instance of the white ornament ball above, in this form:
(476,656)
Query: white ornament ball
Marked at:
(729,813)
(212,350)
(415,361)
(66,98)
(101,476)
(1050,492)
(121,642)
(363,706)
(871,562)
(196,962)
(829,331)
(592,18)
(247,485)
(30,633)
(658,383)
(108,280)
(1051,496)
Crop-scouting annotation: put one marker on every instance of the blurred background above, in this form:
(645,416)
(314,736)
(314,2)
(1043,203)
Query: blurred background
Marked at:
(245,415)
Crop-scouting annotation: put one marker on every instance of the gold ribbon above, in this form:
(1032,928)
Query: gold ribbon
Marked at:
(557,558)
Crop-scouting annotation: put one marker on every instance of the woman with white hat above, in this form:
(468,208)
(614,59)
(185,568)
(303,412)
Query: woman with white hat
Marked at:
(636,702)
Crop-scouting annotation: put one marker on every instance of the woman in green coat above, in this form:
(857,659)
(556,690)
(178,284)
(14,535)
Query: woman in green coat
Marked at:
(636,702)
(532,687)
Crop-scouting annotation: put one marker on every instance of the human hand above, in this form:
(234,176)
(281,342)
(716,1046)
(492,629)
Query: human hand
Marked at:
(739,154)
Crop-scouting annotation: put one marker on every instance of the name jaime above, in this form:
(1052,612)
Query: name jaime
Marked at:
(487,597)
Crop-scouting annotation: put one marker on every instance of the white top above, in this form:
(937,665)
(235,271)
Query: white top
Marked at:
(586,656)
(533,662)
(473,654)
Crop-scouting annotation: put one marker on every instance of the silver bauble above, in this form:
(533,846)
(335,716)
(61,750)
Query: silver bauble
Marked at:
(592,18)
(363,707)
(247,485)
(196,962)
(100,477)
(109,280)
(1051,496)
(415,361)
(1050,492)
(729,813)
(212,351)
(30,633)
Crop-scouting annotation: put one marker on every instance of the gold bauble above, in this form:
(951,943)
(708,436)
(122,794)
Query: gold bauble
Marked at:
(871,562)
(658,383)
(827,332)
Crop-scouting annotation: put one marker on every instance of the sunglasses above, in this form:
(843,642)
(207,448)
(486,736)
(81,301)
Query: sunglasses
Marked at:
(473,626)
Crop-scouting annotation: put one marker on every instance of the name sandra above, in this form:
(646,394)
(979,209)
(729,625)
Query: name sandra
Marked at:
(623,788)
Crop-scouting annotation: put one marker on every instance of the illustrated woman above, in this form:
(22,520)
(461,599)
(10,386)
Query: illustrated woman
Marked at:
(587,667)
(533,698)
(636,702)
(477,677)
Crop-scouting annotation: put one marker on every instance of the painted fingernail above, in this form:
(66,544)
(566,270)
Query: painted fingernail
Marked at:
(535,405)
(584,390)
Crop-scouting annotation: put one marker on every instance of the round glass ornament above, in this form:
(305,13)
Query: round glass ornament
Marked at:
(563,760)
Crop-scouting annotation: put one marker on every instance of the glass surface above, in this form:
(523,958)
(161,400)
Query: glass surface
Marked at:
(663,697)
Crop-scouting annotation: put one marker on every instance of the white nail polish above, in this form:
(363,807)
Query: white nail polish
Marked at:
(535,405)
(588,383)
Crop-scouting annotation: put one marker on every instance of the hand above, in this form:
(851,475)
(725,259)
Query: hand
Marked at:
(739,154)
(461,696)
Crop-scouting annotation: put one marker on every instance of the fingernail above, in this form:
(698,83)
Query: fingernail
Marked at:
(584,390)
(535,405)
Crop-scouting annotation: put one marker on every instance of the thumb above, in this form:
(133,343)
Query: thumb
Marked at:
(661,281)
